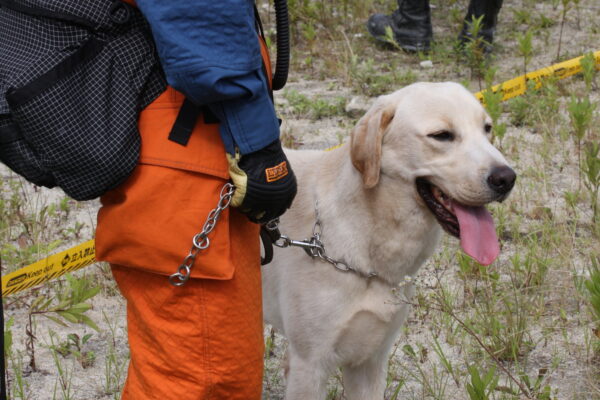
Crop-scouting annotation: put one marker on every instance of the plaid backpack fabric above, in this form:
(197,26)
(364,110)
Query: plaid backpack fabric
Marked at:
(73,77)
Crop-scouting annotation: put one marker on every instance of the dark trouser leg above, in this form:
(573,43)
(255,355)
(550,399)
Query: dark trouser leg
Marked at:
(489,9)
(410,24)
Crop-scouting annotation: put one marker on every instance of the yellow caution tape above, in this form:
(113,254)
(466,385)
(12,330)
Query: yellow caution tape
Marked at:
(49,268)
(518,86)
(337,146)
(83,254)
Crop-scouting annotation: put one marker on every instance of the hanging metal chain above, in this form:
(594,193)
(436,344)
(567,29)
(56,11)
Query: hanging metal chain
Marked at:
(201,241)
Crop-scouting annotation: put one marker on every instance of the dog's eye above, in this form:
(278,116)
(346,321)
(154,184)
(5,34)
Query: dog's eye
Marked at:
(488,128)
(443,136)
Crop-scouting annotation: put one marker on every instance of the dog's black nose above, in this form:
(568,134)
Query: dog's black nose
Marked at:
(502,179)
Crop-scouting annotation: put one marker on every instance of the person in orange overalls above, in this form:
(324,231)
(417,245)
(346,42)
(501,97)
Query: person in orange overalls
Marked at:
(203,339)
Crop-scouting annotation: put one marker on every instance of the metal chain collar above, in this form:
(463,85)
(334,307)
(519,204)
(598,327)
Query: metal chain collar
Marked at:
(315,247)
(201,241)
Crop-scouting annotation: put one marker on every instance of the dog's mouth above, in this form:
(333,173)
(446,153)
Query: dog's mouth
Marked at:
(440,205)
(473,225)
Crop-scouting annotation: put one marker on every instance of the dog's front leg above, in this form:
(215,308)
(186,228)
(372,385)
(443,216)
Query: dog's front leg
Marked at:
(305,380)
(365,378)
(366,381)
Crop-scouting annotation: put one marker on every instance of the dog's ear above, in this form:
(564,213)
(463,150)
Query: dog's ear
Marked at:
(366,140)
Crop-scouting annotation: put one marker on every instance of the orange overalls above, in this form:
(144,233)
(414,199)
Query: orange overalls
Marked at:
(202,340)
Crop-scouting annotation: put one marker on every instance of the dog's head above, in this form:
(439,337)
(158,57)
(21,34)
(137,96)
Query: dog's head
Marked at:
(435,136)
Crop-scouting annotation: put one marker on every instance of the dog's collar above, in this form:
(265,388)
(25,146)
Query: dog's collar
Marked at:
(315,248)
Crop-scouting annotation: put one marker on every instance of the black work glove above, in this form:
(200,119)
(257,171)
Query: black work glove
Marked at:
(265,183)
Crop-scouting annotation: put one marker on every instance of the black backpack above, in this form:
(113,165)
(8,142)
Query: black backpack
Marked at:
(74,74)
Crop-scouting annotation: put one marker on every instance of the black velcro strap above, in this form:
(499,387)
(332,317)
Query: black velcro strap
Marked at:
(86,52)
(184,124)
(9,133)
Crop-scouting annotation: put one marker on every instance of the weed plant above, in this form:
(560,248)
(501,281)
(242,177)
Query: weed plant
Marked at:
(591,173)
(481,388)
(474,50)
(73,346)
(494,106)
(592,285)
(589,71)
(566,6)
(301,106)
(526,48)
(63,385)
(581,112)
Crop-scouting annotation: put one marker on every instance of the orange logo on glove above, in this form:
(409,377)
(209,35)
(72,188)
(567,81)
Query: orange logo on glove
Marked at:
(277,172)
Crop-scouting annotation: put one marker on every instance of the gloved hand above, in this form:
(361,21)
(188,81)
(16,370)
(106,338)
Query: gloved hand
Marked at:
(265,183)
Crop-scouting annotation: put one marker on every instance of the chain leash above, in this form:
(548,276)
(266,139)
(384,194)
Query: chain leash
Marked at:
(315,247)
(201,241)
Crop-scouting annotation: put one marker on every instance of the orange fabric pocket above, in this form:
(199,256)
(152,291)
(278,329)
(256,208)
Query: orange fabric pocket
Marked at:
(149,221)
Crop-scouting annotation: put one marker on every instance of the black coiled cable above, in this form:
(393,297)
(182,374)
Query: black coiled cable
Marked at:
(282,64)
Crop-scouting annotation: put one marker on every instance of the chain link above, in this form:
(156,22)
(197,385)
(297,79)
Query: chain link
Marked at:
(201,241)
(315,247)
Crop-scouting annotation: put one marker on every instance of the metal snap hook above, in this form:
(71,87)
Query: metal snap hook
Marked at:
(283,242)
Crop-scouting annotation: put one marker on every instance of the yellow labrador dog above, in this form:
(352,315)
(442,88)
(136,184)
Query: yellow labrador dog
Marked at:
(419,162)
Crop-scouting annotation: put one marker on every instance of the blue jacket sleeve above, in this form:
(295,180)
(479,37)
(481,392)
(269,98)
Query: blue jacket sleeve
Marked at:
(210,52)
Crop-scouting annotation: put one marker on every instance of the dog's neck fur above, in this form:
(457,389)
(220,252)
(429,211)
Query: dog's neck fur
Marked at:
(357,242)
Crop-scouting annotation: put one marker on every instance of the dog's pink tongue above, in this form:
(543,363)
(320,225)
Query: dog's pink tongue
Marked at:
(477,233)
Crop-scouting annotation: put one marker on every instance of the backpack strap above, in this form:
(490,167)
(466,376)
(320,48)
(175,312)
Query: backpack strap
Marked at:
(86,52)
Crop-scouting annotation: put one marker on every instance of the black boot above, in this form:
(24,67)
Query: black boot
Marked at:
(410,24)
(489,9)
